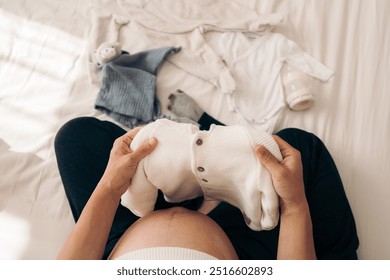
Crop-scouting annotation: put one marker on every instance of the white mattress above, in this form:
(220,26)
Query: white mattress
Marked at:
(44,82)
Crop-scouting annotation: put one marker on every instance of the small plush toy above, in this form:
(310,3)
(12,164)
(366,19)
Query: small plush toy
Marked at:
(106,52)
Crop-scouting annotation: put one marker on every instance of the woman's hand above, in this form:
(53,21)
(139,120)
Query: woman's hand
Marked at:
(295,233)
(89,237)
(287,175)
(123,163)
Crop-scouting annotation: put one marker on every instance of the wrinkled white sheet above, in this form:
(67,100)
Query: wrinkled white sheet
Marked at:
(44,82)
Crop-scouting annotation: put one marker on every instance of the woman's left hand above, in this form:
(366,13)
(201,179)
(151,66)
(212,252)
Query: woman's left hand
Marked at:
(123,163)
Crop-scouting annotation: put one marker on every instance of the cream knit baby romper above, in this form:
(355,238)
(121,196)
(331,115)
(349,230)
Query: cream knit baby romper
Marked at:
(220,164)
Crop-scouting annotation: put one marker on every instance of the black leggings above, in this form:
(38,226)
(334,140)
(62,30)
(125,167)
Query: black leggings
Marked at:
(83,146)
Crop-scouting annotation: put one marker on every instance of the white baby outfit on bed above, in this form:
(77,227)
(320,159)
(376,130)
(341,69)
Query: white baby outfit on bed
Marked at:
(255,62)
(247,72)
(219,164)
(148,24)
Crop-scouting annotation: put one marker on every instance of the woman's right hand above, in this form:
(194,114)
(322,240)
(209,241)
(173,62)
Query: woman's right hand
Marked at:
(123,163)
(287,175)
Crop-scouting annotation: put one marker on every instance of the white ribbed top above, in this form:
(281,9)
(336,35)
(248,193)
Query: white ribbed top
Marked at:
(166,253)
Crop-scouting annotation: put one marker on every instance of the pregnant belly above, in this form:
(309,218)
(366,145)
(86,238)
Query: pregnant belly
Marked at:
(176,227)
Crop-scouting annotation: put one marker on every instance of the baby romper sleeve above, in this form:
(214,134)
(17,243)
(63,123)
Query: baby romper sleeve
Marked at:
(300,60)
(297,86)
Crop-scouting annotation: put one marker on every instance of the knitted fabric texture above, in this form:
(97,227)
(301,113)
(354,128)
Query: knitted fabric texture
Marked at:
(128,87)
(220,164)
(166,253)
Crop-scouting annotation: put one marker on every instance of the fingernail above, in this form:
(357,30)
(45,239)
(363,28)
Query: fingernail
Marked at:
(152,141)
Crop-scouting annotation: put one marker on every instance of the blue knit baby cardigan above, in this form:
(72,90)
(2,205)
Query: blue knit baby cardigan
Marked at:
(128,87)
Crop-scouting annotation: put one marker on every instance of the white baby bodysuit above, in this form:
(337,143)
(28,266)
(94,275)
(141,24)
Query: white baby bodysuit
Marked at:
(220,164)
(255,61)
(182,24)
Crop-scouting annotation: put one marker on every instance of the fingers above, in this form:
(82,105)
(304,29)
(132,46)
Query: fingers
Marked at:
(129,136)
(283,145)
(266,158)
(132,133)
(122,146)
(286,149)
(143,150)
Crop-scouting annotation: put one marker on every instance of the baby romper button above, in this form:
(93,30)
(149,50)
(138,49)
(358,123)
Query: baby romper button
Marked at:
(200,169)
(199,142)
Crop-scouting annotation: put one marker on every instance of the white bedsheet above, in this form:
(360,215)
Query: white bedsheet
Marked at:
(44,82)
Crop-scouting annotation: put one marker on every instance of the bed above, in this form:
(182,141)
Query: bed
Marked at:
(46,79)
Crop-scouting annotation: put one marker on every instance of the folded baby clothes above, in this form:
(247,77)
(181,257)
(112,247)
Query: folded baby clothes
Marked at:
(128,87)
